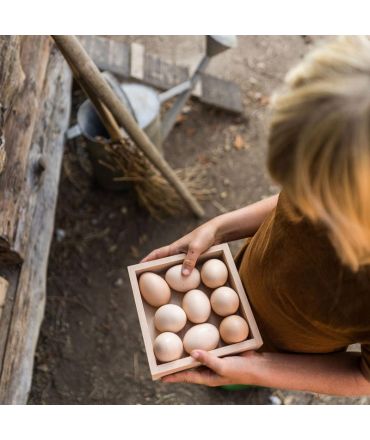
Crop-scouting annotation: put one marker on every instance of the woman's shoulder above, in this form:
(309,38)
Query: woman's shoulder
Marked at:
(287,208)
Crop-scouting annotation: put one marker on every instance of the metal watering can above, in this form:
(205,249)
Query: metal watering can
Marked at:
(144,103)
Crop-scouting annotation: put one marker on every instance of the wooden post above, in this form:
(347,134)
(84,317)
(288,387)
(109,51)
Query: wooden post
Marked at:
(11,73)
(30,56)
(11,80)
(90,74)
(22,318)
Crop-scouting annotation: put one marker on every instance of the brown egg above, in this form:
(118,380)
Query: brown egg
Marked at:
(196,306)
(169,318)
(167,347)
(233,329)
(154,289)
(224,301)
(181,283)
(214,273)
(202,336)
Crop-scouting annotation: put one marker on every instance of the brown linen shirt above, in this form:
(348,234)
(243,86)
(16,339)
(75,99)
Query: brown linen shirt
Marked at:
(303,298)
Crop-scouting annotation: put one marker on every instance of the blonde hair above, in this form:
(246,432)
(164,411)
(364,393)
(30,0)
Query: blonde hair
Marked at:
(319,143)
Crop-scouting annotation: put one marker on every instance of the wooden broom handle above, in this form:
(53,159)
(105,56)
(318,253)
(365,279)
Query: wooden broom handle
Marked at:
(91,76)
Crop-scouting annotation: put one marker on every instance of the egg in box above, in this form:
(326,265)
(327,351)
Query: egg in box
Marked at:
(208,310)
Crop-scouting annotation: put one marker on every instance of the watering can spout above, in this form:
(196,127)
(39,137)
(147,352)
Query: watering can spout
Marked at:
(219,43)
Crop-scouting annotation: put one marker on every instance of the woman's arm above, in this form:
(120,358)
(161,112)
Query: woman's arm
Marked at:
(243,222)
(237,224)
(337,373)
(334,374)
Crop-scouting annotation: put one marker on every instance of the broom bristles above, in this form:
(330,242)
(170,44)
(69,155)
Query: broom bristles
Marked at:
(152,189)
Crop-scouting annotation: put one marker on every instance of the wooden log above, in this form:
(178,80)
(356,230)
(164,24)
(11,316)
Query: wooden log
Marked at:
(43,171)
(11,80)
(17,131)
(11,73)
(11,274)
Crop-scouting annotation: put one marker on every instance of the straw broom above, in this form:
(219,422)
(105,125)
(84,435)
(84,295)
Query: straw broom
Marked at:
(153,190)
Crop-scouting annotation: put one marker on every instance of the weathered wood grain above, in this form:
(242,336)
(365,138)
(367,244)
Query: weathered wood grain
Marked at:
(113,55)
(11,274)
(11,73)
(42,177)
(11,80)
(163,75)
(18,130)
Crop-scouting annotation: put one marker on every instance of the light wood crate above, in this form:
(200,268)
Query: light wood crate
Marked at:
(146,312)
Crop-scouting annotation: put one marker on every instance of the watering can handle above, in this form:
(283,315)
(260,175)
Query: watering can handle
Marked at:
(174,91)
(73,132)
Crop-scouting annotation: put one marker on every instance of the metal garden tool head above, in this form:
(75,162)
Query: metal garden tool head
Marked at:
(219,43)
(215,44)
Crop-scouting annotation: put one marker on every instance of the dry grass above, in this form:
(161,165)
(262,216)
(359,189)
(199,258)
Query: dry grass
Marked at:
(154,192)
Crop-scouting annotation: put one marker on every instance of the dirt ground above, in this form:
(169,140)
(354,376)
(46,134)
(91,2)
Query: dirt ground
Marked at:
(90,349)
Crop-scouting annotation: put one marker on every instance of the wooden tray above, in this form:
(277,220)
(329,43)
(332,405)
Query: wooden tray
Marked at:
(146,312)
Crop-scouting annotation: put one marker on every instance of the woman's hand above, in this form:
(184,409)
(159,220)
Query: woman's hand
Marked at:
(193,244)
(219,371)
(234,225)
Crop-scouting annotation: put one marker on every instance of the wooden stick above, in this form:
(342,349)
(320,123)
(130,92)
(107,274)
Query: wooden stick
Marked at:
(104,114)
(90,74)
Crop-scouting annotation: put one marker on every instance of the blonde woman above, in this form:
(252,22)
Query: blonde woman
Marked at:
(306,263)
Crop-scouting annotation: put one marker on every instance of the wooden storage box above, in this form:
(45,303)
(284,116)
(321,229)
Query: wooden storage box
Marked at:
(146,312)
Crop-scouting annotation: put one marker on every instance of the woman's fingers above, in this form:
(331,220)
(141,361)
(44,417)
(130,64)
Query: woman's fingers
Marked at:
(210,360)
(191,259)
(162,252)
(152,255)
(211,376)
(200,377)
